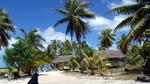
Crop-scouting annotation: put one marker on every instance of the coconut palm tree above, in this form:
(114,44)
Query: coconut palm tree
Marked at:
(66,48)
(56,45)
(84,44)
(106,38)
(93,62)
(138,19)
(20,56)
(86,48)
(12,60)
(31,44)
(50,53)
(73,12)
(121,45)
(133,56)
(33,39)
(6,27)
(74,48)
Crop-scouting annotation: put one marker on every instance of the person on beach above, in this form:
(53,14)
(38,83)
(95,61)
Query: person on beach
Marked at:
(34,79)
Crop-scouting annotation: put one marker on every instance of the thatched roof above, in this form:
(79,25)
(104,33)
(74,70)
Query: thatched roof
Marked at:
(63,58)
(111,54)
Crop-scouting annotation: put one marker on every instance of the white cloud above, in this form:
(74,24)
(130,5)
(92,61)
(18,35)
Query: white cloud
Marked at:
(99,23)
(51,34)
(12,41)
(123,2)
(117,20)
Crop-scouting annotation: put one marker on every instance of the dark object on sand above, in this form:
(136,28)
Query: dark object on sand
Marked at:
(16,75)
(34,79)
(142,79)
(126,70)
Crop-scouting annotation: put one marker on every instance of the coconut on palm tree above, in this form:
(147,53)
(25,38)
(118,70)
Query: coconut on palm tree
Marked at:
(106,38)
(73,12)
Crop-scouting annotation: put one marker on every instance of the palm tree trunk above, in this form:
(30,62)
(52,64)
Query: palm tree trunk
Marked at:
(18,71)
(92,71)
(101,71)
(81,70)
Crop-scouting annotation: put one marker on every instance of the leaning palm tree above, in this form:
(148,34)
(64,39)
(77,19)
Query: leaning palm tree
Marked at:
(89,62)
(74,11)
(94,62)
(120,44)
(138,18)
(106,38)
(6,27)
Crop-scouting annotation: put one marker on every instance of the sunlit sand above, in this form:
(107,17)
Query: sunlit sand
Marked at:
(60,77)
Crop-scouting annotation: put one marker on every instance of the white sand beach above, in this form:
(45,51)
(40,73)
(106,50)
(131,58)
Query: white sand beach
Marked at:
(60,77)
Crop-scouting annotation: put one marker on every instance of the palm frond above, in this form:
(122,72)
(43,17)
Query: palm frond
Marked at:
(61,11)
(85,4)
(125,22)
(24,32)
(86,14)
(127,9)
(66,19)
(141,13)
(139,29)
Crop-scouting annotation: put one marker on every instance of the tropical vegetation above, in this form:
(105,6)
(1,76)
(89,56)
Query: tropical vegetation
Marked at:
(28,53)
(106,38)
(137,20)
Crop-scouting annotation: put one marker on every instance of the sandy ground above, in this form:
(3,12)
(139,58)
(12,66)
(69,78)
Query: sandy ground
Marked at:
(58,77)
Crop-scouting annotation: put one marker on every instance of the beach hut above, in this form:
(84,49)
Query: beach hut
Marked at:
(116,58)
(60,61)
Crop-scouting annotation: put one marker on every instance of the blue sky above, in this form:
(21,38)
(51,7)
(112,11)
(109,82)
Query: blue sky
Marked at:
(29,14)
